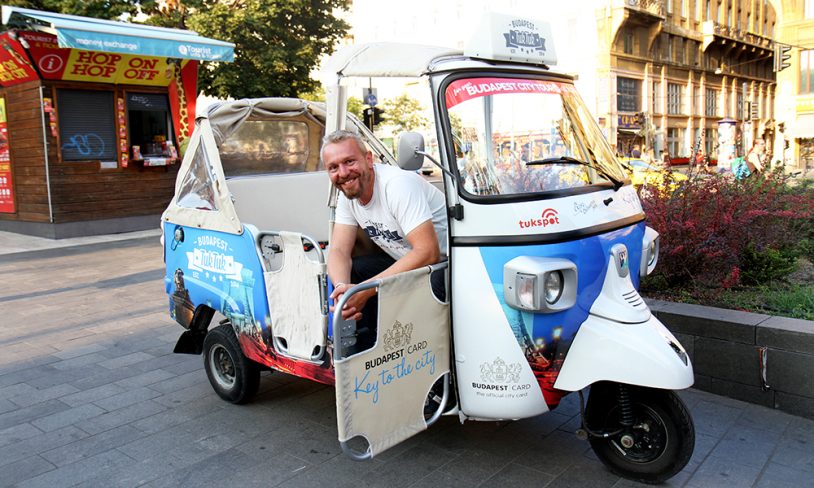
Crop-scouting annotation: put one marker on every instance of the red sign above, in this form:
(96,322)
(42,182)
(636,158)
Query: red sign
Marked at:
(6,190)
(467,89)
(14,65)
(548,217)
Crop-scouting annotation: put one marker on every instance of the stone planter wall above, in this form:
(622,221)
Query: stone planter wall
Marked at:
(727,347)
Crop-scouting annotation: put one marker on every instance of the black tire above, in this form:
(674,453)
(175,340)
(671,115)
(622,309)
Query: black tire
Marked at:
(233,376)
(663,433)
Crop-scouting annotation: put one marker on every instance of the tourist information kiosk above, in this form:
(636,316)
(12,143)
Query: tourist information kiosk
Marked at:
(94,116)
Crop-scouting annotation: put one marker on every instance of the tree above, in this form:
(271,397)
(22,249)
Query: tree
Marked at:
(277,43)
(404,113)
(99,9)
(355,104)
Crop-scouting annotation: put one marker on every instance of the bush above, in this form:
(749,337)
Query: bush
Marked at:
(717,232)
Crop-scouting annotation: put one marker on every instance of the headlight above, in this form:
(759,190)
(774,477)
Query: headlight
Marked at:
(553,286)
(536,284)
(650,252)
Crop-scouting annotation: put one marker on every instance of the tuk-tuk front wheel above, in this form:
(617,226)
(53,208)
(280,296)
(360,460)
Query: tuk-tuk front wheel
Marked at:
(653,435)
(233,376)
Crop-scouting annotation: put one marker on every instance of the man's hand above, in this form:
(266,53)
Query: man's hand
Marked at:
(353,307)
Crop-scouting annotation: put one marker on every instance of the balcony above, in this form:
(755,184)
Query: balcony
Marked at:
(715,33)
(641,12)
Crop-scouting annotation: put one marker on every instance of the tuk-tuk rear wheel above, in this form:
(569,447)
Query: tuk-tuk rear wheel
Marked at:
(233,376)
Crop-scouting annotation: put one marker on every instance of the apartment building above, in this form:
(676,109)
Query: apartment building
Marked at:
(670,72)
(795,85)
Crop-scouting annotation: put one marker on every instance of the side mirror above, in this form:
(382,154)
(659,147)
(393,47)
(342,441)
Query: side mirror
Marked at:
(409,143)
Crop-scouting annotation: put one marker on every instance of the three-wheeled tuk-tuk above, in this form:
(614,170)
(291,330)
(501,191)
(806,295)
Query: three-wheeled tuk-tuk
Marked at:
(547,244)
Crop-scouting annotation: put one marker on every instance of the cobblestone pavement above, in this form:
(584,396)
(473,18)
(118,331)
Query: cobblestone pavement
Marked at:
(91,395)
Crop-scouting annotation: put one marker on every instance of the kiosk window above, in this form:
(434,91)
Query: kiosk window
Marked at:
(86,125)
(149,122)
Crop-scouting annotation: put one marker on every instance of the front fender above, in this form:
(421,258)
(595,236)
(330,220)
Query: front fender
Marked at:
(644,354)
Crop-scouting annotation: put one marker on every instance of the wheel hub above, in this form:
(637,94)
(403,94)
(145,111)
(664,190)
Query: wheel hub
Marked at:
(223,366)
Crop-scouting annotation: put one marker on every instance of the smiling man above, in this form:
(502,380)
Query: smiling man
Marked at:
(400,211)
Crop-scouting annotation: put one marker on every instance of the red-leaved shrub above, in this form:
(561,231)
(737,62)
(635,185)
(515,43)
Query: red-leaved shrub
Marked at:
(711,224)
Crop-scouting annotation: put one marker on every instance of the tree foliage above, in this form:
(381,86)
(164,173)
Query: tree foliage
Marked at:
(277,43)
(404,113)
(99,9)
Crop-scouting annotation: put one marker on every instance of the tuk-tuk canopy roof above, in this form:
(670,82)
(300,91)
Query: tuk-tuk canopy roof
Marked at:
(226,117)
(386,59)
(120,37)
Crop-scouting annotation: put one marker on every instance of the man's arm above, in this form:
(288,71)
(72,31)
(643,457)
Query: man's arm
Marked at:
(424,251)
(339,266)
(339,255)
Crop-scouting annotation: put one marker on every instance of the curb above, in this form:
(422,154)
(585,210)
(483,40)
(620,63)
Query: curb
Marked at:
(756,358)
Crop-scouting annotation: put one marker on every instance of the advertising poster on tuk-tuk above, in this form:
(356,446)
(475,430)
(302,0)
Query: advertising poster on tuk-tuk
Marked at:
(6,193)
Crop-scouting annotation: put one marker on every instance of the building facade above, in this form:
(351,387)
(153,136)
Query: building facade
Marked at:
(794,142)
(671,71)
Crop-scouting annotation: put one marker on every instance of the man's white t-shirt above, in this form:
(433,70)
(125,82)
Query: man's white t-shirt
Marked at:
(402,200)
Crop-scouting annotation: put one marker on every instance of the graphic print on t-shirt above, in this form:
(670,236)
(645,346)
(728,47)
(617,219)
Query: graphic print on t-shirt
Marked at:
(377,232)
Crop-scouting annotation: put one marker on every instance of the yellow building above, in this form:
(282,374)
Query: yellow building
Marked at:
(684,66)
(795,85)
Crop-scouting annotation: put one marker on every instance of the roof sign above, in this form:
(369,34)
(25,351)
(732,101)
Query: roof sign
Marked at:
(512,38)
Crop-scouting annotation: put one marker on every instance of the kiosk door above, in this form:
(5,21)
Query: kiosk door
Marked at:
(380,392)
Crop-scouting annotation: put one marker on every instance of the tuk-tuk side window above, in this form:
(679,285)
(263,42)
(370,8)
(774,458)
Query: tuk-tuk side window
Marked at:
(261,147)
(196,190)
(517,136)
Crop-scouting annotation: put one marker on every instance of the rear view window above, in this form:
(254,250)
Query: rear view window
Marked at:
(268,146)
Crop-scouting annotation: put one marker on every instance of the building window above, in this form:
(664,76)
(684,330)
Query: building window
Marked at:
(809,9)
(668,48)
(150,124)
(669,6)
(627,95)
(87,127)
(673,142)
(711,143)
(673,99)
(807,71)
(628,42)
(711,105)
(683,7)
(654,98)
(739,106)
(707,11)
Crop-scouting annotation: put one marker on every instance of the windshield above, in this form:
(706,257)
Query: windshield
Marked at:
(517,136)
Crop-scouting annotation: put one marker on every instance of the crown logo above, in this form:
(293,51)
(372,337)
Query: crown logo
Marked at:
(397,336)
(498,371)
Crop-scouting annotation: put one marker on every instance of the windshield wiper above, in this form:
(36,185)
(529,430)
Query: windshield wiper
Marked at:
(569,160)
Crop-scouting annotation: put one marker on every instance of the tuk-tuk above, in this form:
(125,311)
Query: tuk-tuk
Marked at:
(547,244)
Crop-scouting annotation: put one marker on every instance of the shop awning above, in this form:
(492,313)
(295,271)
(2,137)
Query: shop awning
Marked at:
(119,37)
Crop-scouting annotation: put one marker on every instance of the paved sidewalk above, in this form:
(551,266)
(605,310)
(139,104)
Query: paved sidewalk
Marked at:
(11,242)
(91,395)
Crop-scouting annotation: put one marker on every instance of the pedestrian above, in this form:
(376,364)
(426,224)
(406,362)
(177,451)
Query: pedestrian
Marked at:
(755,156)
(636,153)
